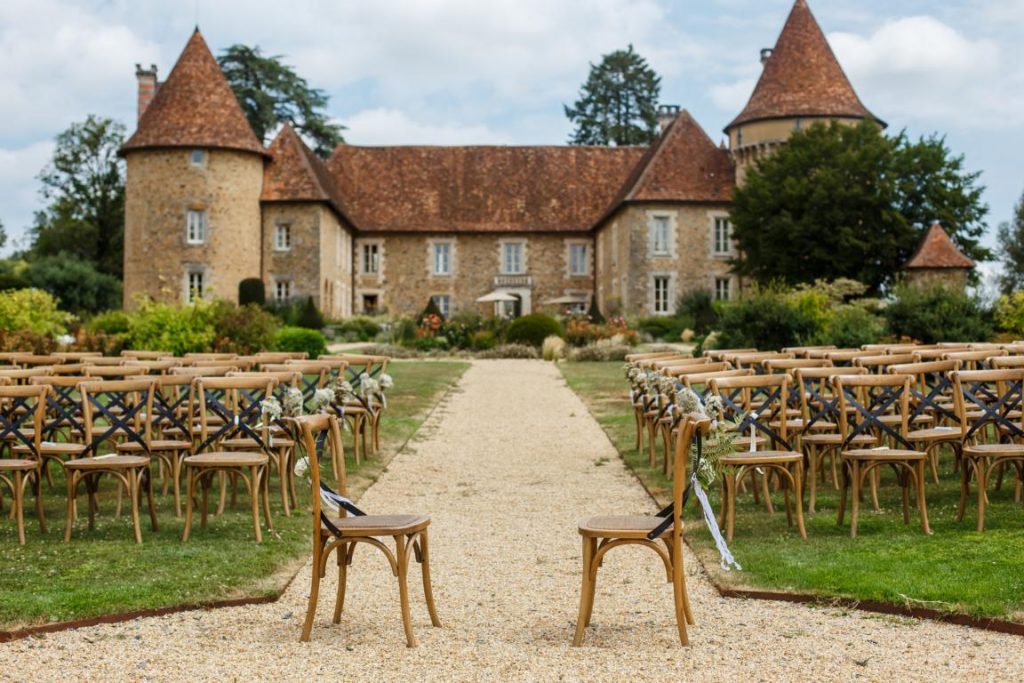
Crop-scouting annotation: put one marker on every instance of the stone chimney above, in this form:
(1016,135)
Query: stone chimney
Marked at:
(766,53)
(667,113)
(147,86)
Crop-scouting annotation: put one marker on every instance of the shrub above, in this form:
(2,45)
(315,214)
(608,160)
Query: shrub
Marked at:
(24,340)
(78,286)
(698,306)
(852,326)
(243,329)
(483,340)
(511,351)
(32,310)
(533,329)
(553,348)
(12,274)
(937,314)
(358,329)
(252,291)
(109,322)
(766,318)
(390,351)
(430,309)
(1009,313)
(176,329)
(312,342)
(403,331)
(107,344)
(665,328)
(600,353)
(310,316)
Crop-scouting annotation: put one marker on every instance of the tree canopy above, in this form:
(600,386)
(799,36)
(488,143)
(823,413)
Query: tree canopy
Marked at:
(83,188)
(618,105)
(271,93)
(1011,243)
(848,201)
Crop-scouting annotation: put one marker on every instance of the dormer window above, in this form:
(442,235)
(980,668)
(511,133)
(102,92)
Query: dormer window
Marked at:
(198,157)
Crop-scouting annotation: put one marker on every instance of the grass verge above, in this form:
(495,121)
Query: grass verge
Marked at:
(955,570)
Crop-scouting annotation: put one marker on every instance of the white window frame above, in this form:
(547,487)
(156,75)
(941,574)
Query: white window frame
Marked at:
(283,230)
(579,258)
(719,282)
(444,304)
(519,266)
(197,162)
(721,244)
(661,242)
(661,301)
(285,285)
(195,226)
(441,258)
(363,251)
(191,293)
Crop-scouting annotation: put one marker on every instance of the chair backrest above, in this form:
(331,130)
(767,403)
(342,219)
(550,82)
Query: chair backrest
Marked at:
(932,391)
(755,360)
(25,375)
(237,363)
(879,349)
(801,351)
(312,430)
(708,366)
(117,411)
(26,360)
(720,354)
(674,361)
(359,364)
(312,375)
(692,429)
(23,408)
(1000,362)
(757,402)
(76,356)
(776,365)
(63,405)
(146,355)
(279,356)
(654,362)
(173,403)
(156,367)
(215,371)
(989,397)
(211,356)
(107,360)
(975,360)
(819,405)
(633,357)
(844,357)
(115,371)
(697,382)
(66,369)
(864,400)
(879,363)
(238,403)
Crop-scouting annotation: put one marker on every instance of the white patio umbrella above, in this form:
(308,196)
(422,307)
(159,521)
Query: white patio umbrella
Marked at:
(568,299)
(494,297)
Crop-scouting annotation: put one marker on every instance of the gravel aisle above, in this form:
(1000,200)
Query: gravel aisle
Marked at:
(506,467)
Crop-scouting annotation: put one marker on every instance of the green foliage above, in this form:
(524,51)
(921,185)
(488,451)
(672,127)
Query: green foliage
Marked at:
(12,274)
(533,329)
(848,201)
(525,351)
(3,235)
(301,339)
(271,93)
(483,340)
(618,103)
(310,316)
(766,318)
(664,327)
(110,322)
(1009,313)
(176,329)
(243,329)
(852,326)
(23,340)
(358,329)
(429,310)
(83,188)
(252,291)
(937,315)
(32,310)
(698,305)
(78,286)
(1011,246)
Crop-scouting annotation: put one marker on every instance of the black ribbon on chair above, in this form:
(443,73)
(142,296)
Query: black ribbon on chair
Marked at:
(65,409)
(877,406)
(13,419)
(165,412)
(669,509)
(930,401)
(235,422)
(997,413)
(824,407)
(116,420)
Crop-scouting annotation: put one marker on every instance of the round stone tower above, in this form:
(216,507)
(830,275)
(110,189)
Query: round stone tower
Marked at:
(801,83)
(194,178)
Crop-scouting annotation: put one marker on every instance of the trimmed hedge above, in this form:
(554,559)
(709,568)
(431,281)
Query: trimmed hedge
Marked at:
(533,329)
(312,342)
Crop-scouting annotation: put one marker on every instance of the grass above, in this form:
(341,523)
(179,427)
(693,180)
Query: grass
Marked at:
(954,570)
(104,572)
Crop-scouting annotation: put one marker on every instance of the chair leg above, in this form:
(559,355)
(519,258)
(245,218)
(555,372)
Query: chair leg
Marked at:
(72,478)
(190,489)
(812,478)
(933,459)
(40,512)
(176,474)
(904,479)
(585,593)
(730,510)
(679,595)
(638,422)
(876,480)
(981,467)
(403,589)
(965,488)
(843,485)
(206,483)
(282,474)
(254,500)
(855,498)
(314,594)
(798,485)
(765,491)
(133,500)
(339,597)
(19,513)
(264,481)
(922,507)
(428,591)
(148,478)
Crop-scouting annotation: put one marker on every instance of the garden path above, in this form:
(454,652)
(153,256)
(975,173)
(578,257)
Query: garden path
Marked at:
(506,466)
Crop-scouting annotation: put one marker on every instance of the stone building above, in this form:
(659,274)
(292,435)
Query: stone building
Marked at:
(384,228)
(937,262)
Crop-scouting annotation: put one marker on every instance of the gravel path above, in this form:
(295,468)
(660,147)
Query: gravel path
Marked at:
(506,467)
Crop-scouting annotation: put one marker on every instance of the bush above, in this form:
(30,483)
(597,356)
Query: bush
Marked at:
(665,328)
(533,329)
(32,310)
(78,286)
(109,322)
(252,291)
(699,307)
(312,342)
(1009,313)
(482,340)
(107,344)
(310,316)
(243,329)
(600,353)
(431,309)
(553,348)
(766,318)
(389,350)
(937,314)
(511,351)
(175,329)
(358,329)
(12,274)
(852,326)
(23,340)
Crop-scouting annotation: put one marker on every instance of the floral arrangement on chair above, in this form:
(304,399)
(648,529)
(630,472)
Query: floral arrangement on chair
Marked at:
(720,441)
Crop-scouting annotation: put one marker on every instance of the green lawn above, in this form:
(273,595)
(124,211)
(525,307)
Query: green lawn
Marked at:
(105,572)
(955,569)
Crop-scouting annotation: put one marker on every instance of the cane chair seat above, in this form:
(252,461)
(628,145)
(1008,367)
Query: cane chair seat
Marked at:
(367,526)
(108,462)
(620,526)
(836,439)
(11,464)
(156,445)
(934,434)
(760,457)
(996,450)
(226,459)
(245,442)
(54,448)
(884,454)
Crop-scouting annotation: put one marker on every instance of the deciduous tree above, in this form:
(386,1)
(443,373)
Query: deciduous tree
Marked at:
(1011,244)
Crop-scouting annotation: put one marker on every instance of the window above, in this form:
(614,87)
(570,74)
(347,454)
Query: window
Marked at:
(195,226)
(442,258)
(661,294)
(283,237)
(659,235)
(443,303)
(578,259)
(194,284)
(371,259)
(370,303)
(198,157)
(282,290)
(723,288)
(512,258)
(722,239)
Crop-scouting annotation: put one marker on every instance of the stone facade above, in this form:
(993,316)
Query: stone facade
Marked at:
(163,185)
(954,279)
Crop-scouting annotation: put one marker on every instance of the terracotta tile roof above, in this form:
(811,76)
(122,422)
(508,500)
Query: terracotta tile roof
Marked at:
(194,107)
(802,76)
(683,164)
(480,189)
(296,173)
(937,251)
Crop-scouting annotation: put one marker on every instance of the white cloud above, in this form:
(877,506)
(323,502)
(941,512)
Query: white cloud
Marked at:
(732,96)
(19,188)
(384,126)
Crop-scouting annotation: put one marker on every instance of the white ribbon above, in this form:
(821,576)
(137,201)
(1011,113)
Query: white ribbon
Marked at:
(728,561)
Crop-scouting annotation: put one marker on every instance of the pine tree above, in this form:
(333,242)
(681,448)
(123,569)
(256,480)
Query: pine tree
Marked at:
(1011,241)
(618,104)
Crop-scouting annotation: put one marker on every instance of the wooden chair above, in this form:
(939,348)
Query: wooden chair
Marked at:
(801,351)
(236,403)
(312,376)
(146,355)
(931,396)
(601,534)
(758,404)
(975,360)
(64,434)
(879,364)
(341,532)
(113,412)
(872,398)
(25,375)
(22,410)
(720,354)
(988,401)
(76,356)
(212,371)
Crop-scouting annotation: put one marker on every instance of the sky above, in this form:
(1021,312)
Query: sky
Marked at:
(500,71)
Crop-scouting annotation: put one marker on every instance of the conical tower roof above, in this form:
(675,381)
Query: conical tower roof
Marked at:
(937,251)
(194,107)
(802,77)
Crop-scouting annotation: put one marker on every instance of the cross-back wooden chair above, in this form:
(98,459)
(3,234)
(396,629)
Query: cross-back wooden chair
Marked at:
(335,366)
(64,434)
(975,360)
(146,355)
(668,424)
(872,398)
(114,412)
(758,405)
(312,376)
(210,371)
(236,403)
(25,375)
(931,397)
(76,356)
(22,411)
(720,354)
(114,371)
(880,364)
(342,526)
(989,406)
(802,351)
(603,533)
